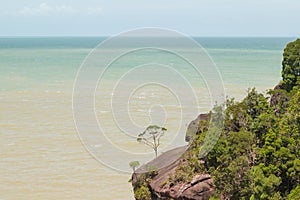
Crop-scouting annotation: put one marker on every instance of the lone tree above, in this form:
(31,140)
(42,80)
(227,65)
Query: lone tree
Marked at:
(134,165)
(151,137)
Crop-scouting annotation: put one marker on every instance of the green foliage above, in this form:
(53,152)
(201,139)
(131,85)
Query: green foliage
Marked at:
(134,165)
(291,65)
(141,186)
(295,194)
(143,193)
(229,163)
(264,186)
(257,154)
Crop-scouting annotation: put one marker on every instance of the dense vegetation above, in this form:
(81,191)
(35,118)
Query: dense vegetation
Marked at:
(258,153)
(291,65)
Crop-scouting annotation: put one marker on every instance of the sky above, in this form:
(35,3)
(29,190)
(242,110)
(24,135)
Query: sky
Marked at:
(215,18)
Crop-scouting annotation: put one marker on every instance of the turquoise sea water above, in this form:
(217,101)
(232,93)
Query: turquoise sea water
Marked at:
(31,62)
(41,154)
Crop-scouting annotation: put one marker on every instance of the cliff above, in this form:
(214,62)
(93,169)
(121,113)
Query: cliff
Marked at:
(257,155)
(164,184)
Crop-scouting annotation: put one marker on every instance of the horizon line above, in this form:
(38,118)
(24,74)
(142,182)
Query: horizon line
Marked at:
(193,36)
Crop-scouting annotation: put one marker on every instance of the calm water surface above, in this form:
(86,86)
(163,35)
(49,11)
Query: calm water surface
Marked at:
(41,156)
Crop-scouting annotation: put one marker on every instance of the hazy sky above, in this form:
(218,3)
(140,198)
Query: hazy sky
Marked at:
(192,17)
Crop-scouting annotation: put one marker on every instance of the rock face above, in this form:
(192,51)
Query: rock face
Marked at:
(199,188)
(195,125)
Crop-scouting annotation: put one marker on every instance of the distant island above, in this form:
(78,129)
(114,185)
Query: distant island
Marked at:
(256,157)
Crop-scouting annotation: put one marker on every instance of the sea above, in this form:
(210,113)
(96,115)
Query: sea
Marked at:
(46,152)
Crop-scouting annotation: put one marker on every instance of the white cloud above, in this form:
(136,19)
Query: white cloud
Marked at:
(45,9)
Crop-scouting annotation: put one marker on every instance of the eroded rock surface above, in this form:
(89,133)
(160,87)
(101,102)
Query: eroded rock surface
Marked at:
(199,188)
